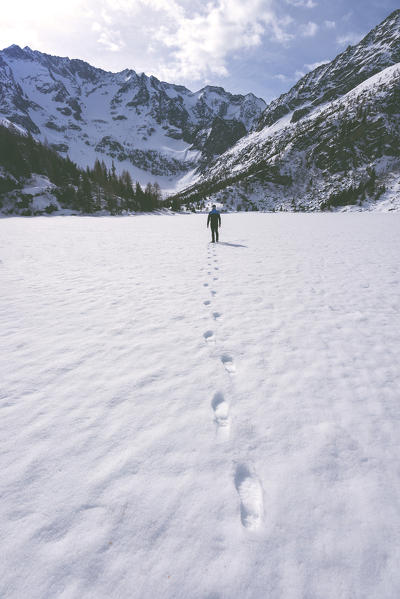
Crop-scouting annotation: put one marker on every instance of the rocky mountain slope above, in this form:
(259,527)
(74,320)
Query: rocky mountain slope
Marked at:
(332,140)
(35,179)
(378,50)
(156,130)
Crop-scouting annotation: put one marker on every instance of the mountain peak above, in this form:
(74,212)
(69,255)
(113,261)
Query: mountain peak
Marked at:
(15,51)
(379,49)
(333,143)
(151,128)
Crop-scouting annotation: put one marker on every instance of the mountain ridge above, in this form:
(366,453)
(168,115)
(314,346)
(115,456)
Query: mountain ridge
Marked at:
(331,140)
(145,125)
(339,75)
(283,159)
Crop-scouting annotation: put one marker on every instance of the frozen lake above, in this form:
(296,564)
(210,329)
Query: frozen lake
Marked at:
(188,420)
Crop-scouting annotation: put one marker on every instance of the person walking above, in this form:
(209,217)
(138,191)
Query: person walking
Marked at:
(214,218)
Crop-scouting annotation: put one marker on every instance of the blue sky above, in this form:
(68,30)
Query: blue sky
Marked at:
(259,46)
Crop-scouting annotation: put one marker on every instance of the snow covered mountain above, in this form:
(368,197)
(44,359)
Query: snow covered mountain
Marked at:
(156,130)
(378,50)
(332,140)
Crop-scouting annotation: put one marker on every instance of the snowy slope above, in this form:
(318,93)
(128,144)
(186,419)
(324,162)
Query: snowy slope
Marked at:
(303,164)
(331,141)
(375,52)
(155,130)
(219,422)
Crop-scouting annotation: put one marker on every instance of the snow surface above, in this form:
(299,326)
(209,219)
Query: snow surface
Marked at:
(187,420)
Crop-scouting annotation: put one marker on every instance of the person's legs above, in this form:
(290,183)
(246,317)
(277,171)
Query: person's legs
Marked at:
(213,234)
(216,234)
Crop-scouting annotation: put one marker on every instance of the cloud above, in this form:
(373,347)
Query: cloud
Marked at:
(315,65)
(282,77)
(350,38)
(330,24)
(309,67)
(25,22)
(279,28)
(201,43)
(309,29)
(110,39)
(302,3)
(194,40)
(176,40)
(347,16)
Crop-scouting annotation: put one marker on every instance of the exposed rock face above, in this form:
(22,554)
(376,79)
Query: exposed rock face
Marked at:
(332,140)
(152,128)
(378,50)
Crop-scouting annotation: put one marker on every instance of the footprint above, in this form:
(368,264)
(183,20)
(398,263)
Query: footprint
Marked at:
(216,315)
(209,336)
(207,303)
(221,415)
(205,284)
(213,292)
(251,497)
(215,278)
(227,361)
(216,268)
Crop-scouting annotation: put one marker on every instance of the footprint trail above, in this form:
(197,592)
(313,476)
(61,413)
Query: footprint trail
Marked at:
(209,336)
(221,415)
(251,497)
(228,363)
(247,484)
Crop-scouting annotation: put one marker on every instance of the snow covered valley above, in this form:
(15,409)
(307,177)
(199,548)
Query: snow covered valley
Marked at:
(188,420)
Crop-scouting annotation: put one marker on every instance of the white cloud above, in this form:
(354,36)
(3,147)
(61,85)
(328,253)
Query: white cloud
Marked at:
(109,38)
(347,16)
(330,24)
(309,29)
(302,3)
(309,67)
(315,65)
(201,43)
(279,28)
(196,40)
(350,38)
(282,77)
(25,22)
(177,40)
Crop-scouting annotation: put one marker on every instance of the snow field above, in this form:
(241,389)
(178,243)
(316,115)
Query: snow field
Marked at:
(182,419)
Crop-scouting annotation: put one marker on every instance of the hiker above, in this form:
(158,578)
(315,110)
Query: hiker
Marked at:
(214,218)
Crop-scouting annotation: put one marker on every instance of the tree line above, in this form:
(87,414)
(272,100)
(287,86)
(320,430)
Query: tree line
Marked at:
(85,190)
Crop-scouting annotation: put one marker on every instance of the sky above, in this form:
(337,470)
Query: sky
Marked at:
(258,46)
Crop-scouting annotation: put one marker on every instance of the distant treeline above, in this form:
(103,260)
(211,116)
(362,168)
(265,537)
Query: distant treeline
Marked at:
(85,190)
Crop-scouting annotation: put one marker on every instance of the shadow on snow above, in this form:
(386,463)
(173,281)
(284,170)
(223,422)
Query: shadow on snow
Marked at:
(233,245)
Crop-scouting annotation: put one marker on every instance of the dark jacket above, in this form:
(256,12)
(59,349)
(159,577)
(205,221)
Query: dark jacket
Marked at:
(214,218)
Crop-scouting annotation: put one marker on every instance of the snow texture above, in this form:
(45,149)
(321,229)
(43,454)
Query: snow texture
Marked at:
(202,420)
